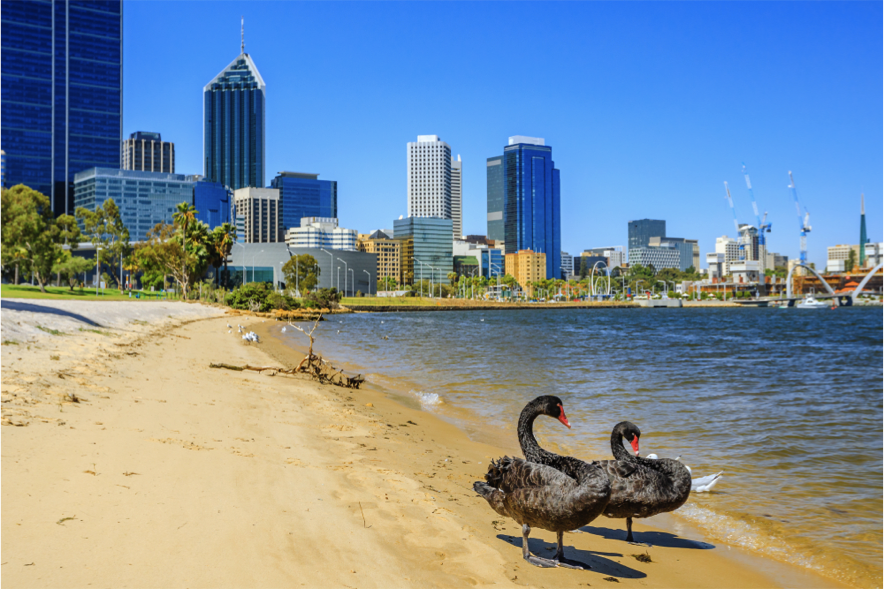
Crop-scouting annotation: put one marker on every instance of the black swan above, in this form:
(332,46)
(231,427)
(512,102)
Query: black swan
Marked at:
(651,487)
(639,487)
(541,496)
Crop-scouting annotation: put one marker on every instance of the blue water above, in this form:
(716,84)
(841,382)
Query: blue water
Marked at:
(787,402)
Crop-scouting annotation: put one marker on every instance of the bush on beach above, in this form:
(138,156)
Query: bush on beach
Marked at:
(259,296)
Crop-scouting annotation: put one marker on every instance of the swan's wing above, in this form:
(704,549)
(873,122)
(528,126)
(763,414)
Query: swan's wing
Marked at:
(514,474)
(618,468)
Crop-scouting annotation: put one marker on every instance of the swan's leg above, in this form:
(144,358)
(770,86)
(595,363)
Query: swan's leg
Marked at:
(564,562)
(629,537)
(526,554)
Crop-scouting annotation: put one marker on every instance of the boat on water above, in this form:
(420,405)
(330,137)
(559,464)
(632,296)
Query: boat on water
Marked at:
(811,303)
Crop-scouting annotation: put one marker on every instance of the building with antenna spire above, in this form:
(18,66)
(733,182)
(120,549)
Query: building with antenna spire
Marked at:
(233,123)
(863,238)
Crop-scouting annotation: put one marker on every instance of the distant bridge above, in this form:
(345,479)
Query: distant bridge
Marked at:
(845,299)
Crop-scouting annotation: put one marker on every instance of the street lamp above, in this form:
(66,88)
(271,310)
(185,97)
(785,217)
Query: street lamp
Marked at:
(369,282)
(352,281)
(421,274)
(636,286)
(253,263)
(345,276)
(332,277)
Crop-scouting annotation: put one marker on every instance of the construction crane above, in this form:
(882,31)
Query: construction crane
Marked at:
(762,226)
(803,224)
(740,240)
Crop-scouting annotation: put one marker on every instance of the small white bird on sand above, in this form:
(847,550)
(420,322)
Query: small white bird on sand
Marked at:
(698,484)
(229,327)
(251,337)
(229,331)
(283,329)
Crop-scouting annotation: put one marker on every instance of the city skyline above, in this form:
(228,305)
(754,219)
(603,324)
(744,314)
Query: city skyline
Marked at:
(654,135)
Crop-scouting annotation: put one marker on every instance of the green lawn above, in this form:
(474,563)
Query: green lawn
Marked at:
(26,291)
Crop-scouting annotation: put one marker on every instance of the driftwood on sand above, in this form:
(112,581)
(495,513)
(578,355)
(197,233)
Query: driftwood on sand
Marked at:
(312,365)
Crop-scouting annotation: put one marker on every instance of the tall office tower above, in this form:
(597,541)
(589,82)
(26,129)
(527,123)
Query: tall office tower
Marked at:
(863,237)
(429,178)
(233,125)
(457,197)
(304,195)
(532,215)
(495,192)
(212,201)
(641,232)
(259,208)
(148,152)
(62,93)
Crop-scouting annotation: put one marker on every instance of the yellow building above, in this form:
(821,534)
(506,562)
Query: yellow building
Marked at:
(526,267)
(388,253)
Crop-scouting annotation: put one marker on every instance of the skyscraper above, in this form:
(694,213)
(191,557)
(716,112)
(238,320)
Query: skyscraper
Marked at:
(532,215)
(457,197)
(495,193)
(148,152)
(641,232)
(863,237)
(304,195)
(429,178)
(62,93)
(233,124)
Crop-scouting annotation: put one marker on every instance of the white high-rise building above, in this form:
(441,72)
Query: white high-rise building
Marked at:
(429,178)
(457,196)
(730,248)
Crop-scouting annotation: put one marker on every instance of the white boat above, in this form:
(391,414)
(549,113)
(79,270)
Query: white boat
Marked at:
(811,303)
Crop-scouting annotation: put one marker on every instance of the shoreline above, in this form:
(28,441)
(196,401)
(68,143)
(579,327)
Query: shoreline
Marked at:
(232,479)
(506,443)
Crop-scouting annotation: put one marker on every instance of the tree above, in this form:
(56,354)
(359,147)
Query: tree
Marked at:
(388,283)
(70,267)
(224,238)
(69,234)
(584,271)
(29,231)
(301,271)
(185,214)
(452,278)
(851,260)
(105,229)
(171,250)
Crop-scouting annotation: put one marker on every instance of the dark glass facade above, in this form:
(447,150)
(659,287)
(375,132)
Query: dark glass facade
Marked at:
(233,126)
(429,245)
(495,191)
(641,232)
(532,211)
(304,195)
(62,91)
(213,201)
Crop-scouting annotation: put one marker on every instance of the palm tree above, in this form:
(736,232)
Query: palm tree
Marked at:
(184,214)
(223,239)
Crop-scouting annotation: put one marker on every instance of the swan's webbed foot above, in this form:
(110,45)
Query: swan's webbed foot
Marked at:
(541,562)
(567,563)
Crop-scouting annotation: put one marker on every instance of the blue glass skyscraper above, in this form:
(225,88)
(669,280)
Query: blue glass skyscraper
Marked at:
(62,92)
(212,201)
(233,125)
(532,212)
(304,195)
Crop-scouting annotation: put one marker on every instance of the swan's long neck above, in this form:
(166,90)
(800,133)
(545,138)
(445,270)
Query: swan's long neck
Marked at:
(620,453)
(530,448)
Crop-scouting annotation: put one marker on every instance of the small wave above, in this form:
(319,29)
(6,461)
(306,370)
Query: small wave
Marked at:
(427,399)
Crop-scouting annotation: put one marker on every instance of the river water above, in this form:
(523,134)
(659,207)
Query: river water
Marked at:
(787,402)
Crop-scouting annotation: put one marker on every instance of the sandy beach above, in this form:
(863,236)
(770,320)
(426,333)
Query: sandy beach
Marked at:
(128,462)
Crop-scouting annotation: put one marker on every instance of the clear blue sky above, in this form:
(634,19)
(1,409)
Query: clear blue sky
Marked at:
(648,107)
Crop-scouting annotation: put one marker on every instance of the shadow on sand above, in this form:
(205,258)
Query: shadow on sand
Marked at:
(662,539)
(596,560)
(32,308)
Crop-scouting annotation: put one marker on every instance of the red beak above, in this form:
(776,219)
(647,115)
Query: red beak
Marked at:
(562,417)
(634,443)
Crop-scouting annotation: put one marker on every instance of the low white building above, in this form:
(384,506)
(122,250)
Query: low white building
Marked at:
(321,232)
(715,261)
(746,271)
